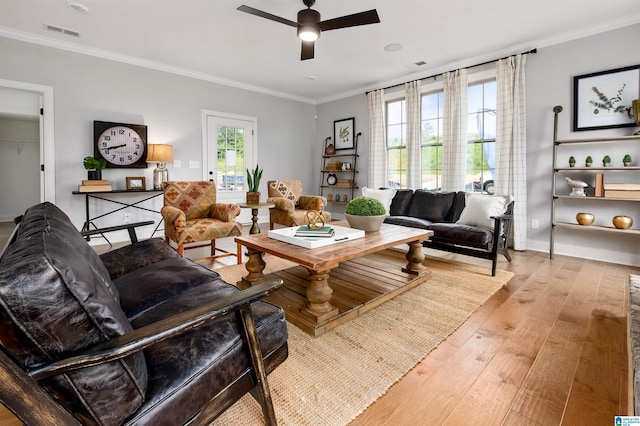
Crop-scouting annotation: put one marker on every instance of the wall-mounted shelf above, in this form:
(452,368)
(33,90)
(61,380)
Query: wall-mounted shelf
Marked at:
(347,175)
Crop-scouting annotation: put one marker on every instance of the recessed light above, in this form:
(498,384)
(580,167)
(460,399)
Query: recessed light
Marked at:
(393,47)
(311,77)
(77,7)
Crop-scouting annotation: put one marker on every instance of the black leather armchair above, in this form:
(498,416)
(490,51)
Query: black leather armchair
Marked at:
(139,335)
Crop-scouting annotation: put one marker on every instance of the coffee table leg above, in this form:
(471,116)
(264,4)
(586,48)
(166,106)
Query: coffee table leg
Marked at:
(255,265)
(319,295)
(415,257)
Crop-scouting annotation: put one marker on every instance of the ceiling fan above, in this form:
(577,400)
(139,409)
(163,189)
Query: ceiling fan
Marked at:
(309,24)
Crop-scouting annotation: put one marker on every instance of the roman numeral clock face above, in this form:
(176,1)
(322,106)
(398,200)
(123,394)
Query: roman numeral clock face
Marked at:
(122,145)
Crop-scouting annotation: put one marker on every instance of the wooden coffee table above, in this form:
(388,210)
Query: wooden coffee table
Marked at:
(354,269)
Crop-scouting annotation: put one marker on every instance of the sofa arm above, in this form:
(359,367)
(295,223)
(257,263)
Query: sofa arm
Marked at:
(282,203)
(312,202)
(225,212)
(130,227)
(141,338)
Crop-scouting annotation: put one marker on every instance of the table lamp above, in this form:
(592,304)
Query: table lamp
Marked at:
(161,154)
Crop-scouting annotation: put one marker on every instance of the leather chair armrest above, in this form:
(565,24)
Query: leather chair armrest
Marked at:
(282,203)
(312,202)
(141,338)
(225,212)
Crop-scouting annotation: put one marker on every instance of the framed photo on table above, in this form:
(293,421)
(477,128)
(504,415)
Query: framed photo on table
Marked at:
(602,100)
(343,133)
(136,183)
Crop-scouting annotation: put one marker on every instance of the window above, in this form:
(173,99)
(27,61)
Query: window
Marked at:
(230,158)
(431,137)
(397,144)
(482,100)
(481,128)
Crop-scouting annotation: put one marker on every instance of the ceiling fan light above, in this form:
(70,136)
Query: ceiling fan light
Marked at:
(308,32)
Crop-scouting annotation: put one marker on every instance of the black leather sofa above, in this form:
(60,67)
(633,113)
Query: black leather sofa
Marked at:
(138,335)
(439,211)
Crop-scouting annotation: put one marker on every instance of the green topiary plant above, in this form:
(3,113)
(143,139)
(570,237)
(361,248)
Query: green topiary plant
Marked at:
(365,206)
(627,160)
(572,161)
(606,160)
(588,161)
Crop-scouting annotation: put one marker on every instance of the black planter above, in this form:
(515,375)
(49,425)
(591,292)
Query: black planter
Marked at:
(94,174)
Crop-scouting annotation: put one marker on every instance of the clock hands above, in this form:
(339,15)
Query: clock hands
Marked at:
(114,147)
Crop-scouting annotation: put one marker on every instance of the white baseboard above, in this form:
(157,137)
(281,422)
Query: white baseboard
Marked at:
(593,253)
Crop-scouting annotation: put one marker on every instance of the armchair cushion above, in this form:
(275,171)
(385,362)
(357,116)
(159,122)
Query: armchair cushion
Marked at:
(312,202)
(289,189)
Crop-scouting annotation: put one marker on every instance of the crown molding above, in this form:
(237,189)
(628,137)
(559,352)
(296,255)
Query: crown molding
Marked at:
(132,60)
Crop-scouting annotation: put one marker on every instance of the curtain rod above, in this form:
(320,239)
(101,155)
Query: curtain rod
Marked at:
(464,68)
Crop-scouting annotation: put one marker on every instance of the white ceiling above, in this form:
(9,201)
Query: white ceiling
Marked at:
(210,39)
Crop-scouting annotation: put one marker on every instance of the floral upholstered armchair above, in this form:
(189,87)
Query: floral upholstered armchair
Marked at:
(191,214)
(291,206)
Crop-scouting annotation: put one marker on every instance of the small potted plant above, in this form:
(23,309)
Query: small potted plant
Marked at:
(253,184)
(94,167)
(627,160)
(572,161)
(365,213)
(588,161)
(606,161)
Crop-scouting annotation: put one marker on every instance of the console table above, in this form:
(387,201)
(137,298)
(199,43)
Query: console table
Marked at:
(142,196)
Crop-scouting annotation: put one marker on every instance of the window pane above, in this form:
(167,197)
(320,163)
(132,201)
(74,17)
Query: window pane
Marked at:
(395,112)
(230,155)
(395,135)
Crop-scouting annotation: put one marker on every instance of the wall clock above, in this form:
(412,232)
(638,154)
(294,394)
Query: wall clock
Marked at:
(332,179)
(122,145)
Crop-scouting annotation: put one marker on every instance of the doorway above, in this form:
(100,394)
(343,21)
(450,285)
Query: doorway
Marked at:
(23,108)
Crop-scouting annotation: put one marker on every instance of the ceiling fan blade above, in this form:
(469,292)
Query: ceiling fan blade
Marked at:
(250,10)
(308,48)
(362,18)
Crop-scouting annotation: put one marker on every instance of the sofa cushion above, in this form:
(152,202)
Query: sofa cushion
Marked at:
(149,286)
(188,370)
(466,235)
(479,209)
(401,202)
(385,196)
(431,205)
(54,303)
(413,222)
(125,259)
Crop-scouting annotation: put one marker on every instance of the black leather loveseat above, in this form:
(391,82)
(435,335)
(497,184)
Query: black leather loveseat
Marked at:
(480,233)
(139,335)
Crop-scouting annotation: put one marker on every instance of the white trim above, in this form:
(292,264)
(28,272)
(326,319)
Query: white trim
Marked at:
(132,60)
(47,145)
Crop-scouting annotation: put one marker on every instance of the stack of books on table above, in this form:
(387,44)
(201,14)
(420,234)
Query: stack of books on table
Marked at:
(94,186)
(622,190)
(306,232)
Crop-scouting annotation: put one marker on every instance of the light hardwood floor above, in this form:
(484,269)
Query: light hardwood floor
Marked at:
(549,349)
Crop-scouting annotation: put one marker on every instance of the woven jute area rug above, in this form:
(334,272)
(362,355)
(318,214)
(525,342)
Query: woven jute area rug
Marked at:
(331,379)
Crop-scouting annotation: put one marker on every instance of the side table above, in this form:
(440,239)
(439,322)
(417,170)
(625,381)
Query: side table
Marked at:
(255,229)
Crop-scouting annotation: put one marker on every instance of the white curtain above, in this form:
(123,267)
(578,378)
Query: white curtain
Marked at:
(414,157)
(511,142)
(377,141)
(454,131)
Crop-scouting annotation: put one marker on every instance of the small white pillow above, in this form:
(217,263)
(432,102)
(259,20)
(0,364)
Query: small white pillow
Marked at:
(385,196)
(478,208)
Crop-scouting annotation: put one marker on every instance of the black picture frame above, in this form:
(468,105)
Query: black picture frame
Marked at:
(601,100)
(344,133)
